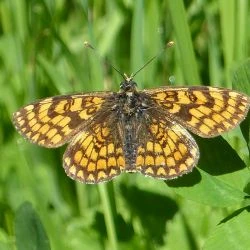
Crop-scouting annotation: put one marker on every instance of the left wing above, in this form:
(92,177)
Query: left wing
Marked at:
(53,121)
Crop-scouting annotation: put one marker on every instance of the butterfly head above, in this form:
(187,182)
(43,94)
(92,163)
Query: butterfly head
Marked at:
(128,85)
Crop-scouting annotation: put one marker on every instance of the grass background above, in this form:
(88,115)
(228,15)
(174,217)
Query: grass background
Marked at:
(42,54)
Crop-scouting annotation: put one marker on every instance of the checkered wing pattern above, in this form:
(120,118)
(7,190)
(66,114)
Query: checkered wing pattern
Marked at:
(206,111)
(52,122)
(94,155)
(143,131)
(169,151)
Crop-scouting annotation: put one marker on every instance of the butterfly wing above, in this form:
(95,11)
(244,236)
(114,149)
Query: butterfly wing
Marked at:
(206,111)
(52,122)
(95,155)
(168,151)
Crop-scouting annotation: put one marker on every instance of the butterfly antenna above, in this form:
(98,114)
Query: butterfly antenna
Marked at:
(88,45)
(124,76)
(168,45)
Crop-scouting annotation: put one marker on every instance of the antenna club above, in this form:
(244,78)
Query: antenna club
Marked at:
(88,45)
(170,44)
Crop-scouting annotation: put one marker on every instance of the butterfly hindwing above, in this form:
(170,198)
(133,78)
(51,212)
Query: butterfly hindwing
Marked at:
(169,150)
(94,156)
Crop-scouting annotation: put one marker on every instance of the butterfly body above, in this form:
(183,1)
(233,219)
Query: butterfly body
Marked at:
(131,130)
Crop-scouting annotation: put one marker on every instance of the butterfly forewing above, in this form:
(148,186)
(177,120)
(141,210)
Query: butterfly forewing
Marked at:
(52,122)
(206,111)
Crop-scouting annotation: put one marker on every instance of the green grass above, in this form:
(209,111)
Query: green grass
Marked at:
(42,54)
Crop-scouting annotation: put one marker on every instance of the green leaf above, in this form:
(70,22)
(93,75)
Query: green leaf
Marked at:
(184,42)
(241,77)
(217,183)
(136,39)
(30,233)
(209,190)
(232,234)
(241,82)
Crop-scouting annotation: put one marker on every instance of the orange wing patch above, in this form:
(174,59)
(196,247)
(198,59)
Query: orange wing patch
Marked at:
(94,157)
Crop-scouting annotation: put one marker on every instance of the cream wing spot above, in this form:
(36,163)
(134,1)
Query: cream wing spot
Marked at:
(172,172)
(21,122)
(56,139)
(29,107)
(65,121)
(76,105)
(44,129)
(36,127)
(51,133)
(84,162)
(32,122)
(57,119)
(170,162)
(44,108)
(30,116)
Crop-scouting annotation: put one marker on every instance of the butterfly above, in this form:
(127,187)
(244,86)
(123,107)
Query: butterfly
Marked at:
(131,130)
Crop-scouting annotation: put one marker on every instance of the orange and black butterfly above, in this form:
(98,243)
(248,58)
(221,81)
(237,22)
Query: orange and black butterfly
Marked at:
(131,130)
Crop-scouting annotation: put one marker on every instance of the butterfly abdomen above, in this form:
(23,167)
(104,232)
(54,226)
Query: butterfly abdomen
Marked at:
(130,114)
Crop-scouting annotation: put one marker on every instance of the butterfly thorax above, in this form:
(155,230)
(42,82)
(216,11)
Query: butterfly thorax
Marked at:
(129,101)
